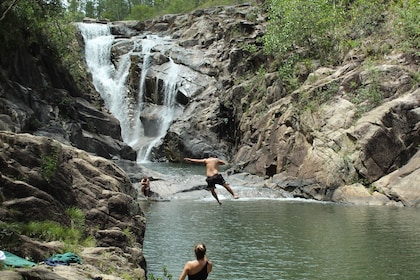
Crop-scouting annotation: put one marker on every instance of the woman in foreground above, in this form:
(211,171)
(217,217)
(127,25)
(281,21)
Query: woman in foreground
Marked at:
(199,268)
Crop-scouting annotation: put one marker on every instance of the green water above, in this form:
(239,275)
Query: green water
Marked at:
(262,236)
(284,239)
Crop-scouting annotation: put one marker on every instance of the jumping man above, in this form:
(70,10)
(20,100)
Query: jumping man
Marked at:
(213,176)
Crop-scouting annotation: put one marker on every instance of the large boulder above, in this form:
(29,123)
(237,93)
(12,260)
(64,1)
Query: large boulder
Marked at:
(41,179)
(402,185)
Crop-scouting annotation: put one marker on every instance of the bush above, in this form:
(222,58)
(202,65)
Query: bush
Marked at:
(166,275)
(407,25)
(72,236)
(305,25)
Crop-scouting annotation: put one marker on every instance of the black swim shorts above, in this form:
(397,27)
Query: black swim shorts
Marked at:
(215,179)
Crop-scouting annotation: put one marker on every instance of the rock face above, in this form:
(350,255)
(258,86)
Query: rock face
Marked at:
(42,178)
(205,46)
(346,125)
(402,184)
(349,124)
(38,96)
(332,147)
(349,134)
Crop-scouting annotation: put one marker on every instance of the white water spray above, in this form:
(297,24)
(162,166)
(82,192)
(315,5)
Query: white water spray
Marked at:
(110,82)
(165,113)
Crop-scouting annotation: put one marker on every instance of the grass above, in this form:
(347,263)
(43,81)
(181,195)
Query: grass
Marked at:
(166,275)
(71,236)
(49,164)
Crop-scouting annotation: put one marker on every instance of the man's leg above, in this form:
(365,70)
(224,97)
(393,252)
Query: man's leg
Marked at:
(213,192)
(229,189)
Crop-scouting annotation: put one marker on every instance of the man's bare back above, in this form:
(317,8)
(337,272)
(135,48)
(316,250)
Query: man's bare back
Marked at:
(212,166)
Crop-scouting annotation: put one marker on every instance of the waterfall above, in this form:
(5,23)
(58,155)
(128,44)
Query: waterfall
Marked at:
(165,114)
(111,82)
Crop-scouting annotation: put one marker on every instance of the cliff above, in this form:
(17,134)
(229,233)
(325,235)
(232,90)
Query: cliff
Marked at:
(343,135)
(41,180)
(320,141)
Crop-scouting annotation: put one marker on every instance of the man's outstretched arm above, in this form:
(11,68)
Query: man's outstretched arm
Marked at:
(195,160)
(222,162)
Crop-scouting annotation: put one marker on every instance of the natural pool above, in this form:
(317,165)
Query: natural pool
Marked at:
(275,238)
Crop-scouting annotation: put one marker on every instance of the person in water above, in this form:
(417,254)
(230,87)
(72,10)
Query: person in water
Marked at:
(199,268)
(145,186)
(213,176)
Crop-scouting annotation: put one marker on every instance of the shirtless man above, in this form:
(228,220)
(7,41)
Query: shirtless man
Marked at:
(145,186)
(199,268)
(213,176)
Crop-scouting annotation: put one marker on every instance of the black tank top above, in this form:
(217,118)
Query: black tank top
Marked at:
(201,275)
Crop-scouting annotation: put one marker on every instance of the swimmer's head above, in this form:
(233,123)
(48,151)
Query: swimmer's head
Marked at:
(200,251)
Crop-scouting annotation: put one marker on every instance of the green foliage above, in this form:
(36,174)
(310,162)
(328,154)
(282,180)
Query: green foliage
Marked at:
(326,30)
(366,98)
(44,230)
(166,275)
(127,276)
(308,25)
(370,96)
(71,237)
(251,48)
(364,17)
(130,235)
(74,11)
(36,25)
(47,231)
(180,6)
(287,72)
(67,102)
(314,99)
(416,77)
(141,12)
(214,3)
(407,25)
(317,28)
(115,10)
(77,217)
(49,164)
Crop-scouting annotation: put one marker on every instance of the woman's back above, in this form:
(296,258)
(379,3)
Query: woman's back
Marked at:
(201,274)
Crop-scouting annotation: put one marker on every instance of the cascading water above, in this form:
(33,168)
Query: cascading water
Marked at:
(165,113)
(110,82)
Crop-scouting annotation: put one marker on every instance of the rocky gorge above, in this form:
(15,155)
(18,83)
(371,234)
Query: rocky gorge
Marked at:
(315,142)
(62,148)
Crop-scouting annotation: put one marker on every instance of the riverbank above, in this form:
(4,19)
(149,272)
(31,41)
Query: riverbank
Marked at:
(187,180)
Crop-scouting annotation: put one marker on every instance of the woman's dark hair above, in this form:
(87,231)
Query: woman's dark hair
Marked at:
(200,251)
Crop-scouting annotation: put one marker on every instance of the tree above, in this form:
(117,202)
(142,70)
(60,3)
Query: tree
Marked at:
(90,9)
(30,23)
(141,12)
(302,24)
(7,7)
(115,9)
